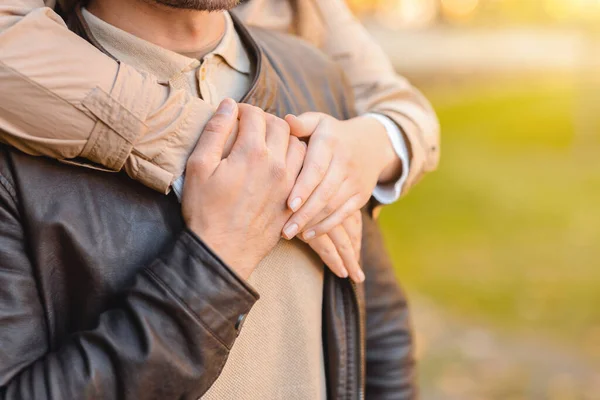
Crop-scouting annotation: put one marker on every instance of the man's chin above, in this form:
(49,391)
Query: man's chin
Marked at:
(199,5)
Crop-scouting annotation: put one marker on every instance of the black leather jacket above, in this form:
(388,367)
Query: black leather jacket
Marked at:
(104,293)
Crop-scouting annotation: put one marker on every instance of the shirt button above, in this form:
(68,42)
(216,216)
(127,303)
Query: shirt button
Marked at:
(240,322)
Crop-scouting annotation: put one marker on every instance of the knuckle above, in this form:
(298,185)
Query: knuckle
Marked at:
(303,217)
(247,107)
(277,124)
(347,215)
(328,209)
(278,170)
(327,137)
(244,106)
(351,162)
(319,169)
(346,161)
(196,164)
(353,182)
(298,146)
(328,190)
(254,115)
(257,153)
(255,111)
(346,247)
(215,125)
(326,251)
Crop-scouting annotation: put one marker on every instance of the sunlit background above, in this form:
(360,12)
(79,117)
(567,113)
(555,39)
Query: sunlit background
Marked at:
(500,249)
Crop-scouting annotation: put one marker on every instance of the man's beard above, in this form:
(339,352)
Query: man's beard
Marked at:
(200,5)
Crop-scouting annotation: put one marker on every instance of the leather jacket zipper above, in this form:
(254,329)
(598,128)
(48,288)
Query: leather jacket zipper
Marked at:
(361,342)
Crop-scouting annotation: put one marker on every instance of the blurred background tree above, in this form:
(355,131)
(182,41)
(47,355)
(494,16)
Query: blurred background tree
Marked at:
(500,249)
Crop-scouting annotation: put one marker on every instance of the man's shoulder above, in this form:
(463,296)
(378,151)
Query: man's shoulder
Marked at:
(306,73)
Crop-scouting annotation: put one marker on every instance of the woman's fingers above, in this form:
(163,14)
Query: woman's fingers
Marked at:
(340,249)
(325,248)
(342,213)
(353,226)
(345,193)
(318,202)
(316,166)
(346,250)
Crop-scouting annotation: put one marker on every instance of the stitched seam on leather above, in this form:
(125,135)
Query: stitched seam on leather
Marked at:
(229,273)
(346,382)
(179,300)
(219,372)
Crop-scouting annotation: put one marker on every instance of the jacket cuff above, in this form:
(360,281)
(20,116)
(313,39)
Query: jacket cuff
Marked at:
(424,150)
(121,117)
(213,293)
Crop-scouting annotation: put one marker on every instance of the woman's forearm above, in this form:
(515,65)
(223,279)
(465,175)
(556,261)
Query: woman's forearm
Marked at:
(63,98)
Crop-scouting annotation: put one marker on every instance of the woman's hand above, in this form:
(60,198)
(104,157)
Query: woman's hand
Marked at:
(344,163)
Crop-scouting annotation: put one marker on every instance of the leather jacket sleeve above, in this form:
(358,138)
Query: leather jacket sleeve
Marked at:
(168,338)
(391,370)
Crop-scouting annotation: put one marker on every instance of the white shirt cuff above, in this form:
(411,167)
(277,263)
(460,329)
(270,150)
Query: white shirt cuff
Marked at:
(178,187)
(390,193)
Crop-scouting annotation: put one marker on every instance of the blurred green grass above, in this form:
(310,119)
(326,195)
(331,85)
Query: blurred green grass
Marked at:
(507,231)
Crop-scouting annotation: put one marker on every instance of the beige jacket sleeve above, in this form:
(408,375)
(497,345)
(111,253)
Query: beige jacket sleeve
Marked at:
(377,87)
(64,99)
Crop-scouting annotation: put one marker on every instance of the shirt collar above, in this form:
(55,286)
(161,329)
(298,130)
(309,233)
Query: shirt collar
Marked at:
(231,48)
(162,63)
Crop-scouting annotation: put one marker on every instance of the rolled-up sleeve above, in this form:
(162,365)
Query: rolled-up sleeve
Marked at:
(64,99)
(377,86)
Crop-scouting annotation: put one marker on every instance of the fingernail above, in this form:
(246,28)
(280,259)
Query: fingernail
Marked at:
(344,273)
(304,144)
(295,204)
(361,276)
(290,231)
(226,107)
(309,235)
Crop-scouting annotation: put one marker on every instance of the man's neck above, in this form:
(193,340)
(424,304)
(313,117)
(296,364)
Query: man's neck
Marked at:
(182,31)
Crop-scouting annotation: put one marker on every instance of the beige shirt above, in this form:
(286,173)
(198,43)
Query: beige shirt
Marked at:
(279,353)
(86,105)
